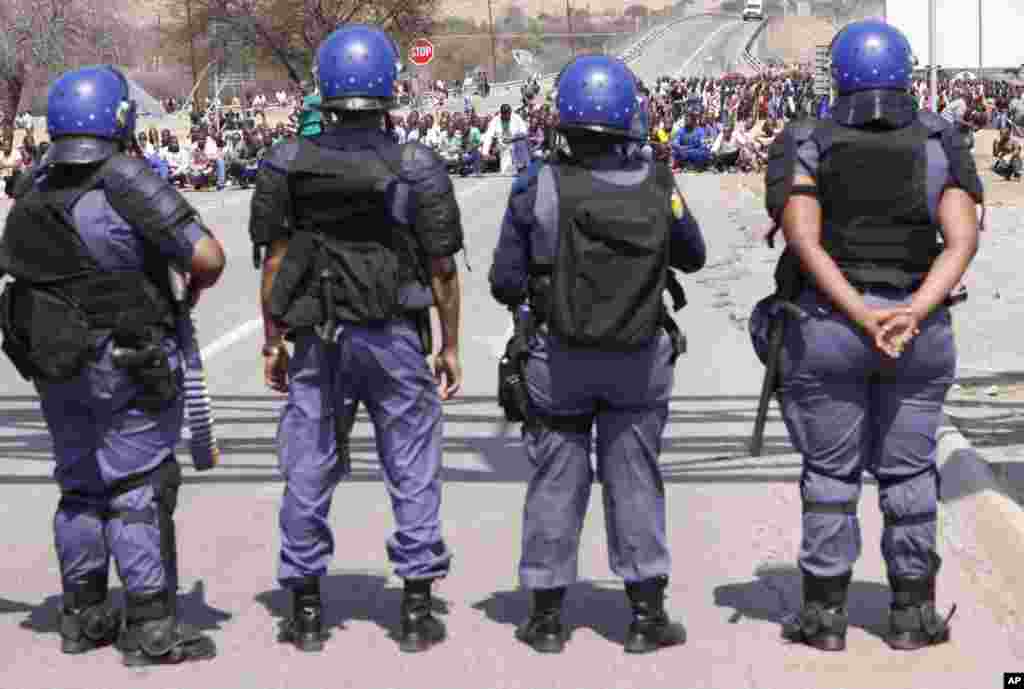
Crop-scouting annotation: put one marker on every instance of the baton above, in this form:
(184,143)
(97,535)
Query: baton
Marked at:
(198,407)
(776,337)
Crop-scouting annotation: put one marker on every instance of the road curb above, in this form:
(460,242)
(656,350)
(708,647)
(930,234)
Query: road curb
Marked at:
(987,523)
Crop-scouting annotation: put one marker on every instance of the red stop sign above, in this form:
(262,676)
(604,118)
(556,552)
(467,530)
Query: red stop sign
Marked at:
(421,52)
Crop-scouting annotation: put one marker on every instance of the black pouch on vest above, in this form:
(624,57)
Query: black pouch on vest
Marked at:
(14,345)
(46,331)
(366,273)
(149,367)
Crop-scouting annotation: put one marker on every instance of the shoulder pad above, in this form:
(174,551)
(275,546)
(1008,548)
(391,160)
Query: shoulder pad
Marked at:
(962,167)
(935,124)
(146,202)
(778,176)
(415,159)
(281,156)
(437,222)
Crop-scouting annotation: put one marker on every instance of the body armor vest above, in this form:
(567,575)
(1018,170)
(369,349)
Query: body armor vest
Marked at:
(604,286)
(348,258)
(61,299)
(874,197)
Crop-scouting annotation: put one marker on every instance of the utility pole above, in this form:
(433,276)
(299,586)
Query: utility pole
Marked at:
(494,44)
(981,55)
(933,82)
(568,20)
(191,41)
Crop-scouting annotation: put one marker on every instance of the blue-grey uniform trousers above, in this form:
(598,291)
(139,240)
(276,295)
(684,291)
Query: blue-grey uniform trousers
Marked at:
(99,440)
(383,367)
(850,408)
(628,394)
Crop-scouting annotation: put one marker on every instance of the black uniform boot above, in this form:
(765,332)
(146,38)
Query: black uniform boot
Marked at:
(822,622)
(544,631)
(420,629)
(87,620)
(913,620)
(84,629)
(305,627)
(153,636)
(651,627)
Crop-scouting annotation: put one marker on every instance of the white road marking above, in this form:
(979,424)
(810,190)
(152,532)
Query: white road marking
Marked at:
(227,339)
(705,44)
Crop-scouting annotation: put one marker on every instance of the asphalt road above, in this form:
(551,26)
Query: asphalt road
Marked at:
(733,520)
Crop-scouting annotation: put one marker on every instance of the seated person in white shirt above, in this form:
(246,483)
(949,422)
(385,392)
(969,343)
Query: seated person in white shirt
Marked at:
(725,151)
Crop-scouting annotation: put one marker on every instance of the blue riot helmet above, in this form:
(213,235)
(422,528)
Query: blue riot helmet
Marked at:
(357,67)
(598,93)
(871,55)
(89,115)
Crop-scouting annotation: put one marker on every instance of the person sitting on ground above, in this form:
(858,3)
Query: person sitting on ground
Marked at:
(201,173)
(688,147)
(178,160)
(1007,153)
(10,164)
(726,149)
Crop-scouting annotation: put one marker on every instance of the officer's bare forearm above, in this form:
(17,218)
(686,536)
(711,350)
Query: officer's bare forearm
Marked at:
(273,332)
(801,225)
(444,282)
(960,230)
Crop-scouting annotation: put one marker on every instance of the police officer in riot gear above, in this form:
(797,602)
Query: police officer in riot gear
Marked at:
(589,243)
(359,234)
(862,199)
(90,319)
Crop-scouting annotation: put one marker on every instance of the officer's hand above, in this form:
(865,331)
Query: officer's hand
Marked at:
(447,373)
(897,328)
(275,369)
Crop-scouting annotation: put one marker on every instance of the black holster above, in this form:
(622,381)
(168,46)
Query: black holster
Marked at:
(512,392)
(149,367)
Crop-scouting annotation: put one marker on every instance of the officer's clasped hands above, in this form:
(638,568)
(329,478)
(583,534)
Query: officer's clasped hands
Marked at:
(891,329)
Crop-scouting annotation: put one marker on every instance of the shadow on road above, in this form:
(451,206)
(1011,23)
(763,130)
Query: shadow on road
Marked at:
(598,605)
(10,606)
(501,451)
(777,592)
(192,608)
(351,596)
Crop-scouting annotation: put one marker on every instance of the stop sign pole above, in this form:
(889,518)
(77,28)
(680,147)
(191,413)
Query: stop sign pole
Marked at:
(421,52)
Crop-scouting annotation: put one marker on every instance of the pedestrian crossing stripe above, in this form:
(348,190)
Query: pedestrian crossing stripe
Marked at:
(678,205)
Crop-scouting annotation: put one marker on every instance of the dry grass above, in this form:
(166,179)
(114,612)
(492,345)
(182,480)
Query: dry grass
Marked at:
(793,39)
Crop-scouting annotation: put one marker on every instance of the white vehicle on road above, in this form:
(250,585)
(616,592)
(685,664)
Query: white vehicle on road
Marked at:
(754,10)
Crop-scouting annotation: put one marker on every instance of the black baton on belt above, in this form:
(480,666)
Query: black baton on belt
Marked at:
(776,336)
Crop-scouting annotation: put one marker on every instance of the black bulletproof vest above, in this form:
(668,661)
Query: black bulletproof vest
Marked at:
(61,299)
(347,245)
(42,249)
(611,265)
(873,188)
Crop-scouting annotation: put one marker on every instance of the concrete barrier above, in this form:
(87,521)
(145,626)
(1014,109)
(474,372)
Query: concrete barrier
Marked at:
(982,522)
